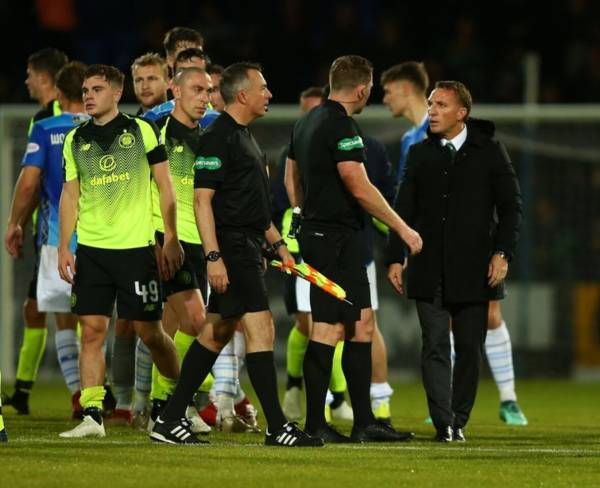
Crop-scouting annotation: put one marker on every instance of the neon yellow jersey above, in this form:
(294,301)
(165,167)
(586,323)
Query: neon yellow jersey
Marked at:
(112,163)
(286,223)
(180,143)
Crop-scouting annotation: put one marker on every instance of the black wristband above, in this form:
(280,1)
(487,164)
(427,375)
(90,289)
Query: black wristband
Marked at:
(277,245)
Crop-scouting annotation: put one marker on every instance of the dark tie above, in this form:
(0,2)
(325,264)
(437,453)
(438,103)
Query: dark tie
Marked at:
(452,150)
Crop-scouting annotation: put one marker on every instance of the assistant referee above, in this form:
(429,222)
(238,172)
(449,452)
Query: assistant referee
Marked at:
(325,175)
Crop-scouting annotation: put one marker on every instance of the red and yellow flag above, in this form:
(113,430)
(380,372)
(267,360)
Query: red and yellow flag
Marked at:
(310,274)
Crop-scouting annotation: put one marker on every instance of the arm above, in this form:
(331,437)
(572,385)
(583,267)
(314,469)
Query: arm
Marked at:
(292,183)
(355,179)
(67,215)
(172,252)
(507,198)
(25,199)
(273,236)
(205,221)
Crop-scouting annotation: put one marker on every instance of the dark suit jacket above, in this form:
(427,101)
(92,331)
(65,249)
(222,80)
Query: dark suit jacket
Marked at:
(452,207)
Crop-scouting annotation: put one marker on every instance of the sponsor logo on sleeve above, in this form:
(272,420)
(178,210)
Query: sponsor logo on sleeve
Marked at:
(350,143)
(32,147)
(211,163)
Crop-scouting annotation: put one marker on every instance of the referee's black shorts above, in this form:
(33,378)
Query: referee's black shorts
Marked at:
(340,257)
(128,275)
(242,255)
(191,275)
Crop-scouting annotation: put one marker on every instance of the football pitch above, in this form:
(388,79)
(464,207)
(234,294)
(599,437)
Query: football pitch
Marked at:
(559,447)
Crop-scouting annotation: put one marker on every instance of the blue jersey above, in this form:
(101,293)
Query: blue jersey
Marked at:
(167,107)
(44,151)
(414,135)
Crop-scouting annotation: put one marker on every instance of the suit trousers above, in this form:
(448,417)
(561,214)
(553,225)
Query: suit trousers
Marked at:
(451,394)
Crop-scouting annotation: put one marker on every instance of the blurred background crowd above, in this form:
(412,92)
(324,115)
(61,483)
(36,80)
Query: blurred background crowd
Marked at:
(481,43)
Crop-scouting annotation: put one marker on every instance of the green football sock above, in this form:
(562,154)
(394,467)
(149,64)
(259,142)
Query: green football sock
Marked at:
(296,348)
(30,355)
(92,397)
(157,392)
(183,342)
(337,384)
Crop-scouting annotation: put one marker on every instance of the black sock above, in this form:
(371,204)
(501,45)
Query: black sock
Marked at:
(261,370)
(23,387)
(356,363)
(338,399)
(196,364)
(292,382)
(318,361)
(95,413)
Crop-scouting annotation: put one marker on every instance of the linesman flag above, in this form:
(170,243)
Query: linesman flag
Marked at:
(310,274)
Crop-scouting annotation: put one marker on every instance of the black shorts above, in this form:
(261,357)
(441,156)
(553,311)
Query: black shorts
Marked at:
(128,275)
(499,292)
(191,275)
(340,257)
(32,292)
(289,291)
(246,292)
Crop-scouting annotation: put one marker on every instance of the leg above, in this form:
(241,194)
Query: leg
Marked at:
(498,349)
(317,371)
(435,360)
(123,369)
(381,391)
(30,354)
(357,366)
(259,331)
(296,349)
(161,348)
(198,362)
(469,325)
(3,436)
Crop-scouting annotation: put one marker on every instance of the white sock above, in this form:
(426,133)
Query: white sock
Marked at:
(67,351)
(329,397)
(380,392)
(499,353)
(143,376)
(239,346)
(225,371)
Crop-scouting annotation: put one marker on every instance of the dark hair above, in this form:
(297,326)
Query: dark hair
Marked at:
(215,69)
(412,71)
(187,55)
(349,72)
(235,78)
(461,92)
(69,80)
(150,59)
(181,34)
(109,73)
(48,60)
(313,91)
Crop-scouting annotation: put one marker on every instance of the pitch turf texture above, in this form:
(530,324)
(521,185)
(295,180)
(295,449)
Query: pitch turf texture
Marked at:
(560,447)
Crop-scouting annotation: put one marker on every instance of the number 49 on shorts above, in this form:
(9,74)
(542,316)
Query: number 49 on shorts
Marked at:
(150,291)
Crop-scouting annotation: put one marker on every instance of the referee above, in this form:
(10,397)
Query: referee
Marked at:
(232,206)
(325,175)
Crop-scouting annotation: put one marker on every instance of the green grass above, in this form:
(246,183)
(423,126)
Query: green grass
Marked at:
(560,447)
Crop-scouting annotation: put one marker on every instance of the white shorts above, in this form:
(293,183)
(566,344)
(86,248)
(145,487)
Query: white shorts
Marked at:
(53,294)
(303,290)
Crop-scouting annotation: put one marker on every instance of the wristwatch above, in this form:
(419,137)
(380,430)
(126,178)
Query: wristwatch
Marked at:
(502,254)
(277,245)
(213,256)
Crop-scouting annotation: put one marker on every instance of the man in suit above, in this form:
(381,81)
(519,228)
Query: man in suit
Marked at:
(453,182)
